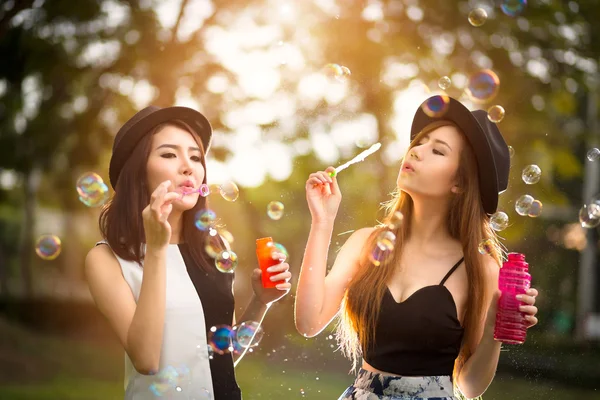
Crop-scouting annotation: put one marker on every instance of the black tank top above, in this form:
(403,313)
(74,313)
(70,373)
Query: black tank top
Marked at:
(420,336)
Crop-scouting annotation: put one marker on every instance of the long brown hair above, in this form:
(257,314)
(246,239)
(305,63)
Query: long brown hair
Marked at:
(121,221)
(467,222)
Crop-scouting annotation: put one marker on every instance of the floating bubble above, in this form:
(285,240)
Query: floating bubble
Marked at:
(512,8)
(486,246)
(523,204)
(204,190)
(169,379)
(483,86)
(511,151)
(588,219)
(48,247)
(211,352)
(214,245)
(377,256)
(88,183)
(496,114)
(205,219)
(499,221)
(477,17)
(220,337)
(275,210)
(386,240)
(225,234)
(396,220)
(278,248)
(226,261)
(531,174)
(536,209)
(593,154)
(230,191)
(248,334)
(337,72)
(594,206)
(96,199)
(444,82)
(436,106)
(92,190)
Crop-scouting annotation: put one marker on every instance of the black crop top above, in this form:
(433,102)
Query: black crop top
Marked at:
(420,336)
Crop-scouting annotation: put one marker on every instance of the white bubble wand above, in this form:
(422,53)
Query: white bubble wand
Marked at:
(360,157)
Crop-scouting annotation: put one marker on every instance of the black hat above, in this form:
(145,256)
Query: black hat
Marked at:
(142,122)
(491,151)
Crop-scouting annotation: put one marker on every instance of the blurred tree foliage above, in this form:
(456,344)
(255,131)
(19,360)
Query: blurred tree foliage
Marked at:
(60,106)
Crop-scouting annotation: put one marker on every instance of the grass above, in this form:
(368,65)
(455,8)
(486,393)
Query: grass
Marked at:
(40,367)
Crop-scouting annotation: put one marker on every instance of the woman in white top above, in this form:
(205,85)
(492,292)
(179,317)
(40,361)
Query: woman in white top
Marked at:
(151,276)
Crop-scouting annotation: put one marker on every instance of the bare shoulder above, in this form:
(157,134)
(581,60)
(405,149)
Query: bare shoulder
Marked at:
(491,272)
(101,260)
(348,258)
(359,237)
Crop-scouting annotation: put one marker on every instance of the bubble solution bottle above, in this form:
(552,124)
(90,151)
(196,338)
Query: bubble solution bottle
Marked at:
(264,249)
(514,279)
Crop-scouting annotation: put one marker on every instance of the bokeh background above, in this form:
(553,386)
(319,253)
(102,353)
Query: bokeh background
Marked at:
(72,72)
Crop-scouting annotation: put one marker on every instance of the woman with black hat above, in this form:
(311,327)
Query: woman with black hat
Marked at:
(422,319)
(151,276)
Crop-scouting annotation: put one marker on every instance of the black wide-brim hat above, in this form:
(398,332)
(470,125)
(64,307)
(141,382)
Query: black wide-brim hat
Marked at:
(491,151)
(142,123)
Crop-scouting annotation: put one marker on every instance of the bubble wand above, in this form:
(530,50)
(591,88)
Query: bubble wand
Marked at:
(358,158)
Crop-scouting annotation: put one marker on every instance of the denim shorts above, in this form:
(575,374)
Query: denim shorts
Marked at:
(373,386)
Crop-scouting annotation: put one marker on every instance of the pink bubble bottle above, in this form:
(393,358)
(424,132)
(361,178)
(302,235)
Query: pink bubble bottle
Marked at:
(514,279)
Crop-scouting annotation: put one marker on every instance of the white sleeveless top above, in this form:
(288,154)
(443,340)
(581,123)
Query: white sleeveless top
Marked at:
(184,368)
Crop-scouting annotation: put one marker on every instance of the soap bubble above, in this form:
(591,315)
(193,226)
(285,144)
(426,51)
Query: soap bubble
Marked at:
(386,240)
(205,219)
(229,191)
(436,106)
(337,72)
(220,338)
(496,114)
(587,218)
(593,154)
(275,210)
(499,221)
(169,379)
(444,83)
(523,204)
(248,334)
(396,220)
(477,17)
(594,206)
(483,86)
(204,190)
(531,174)
(486,246)
(512,8)
(92,190)
(536,209)
(48,247)
(226,261)
(383,248)
(511,151)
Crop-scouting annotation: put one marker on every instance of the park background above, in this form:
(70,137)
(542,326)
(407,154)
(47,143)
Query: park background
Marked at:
(71,73)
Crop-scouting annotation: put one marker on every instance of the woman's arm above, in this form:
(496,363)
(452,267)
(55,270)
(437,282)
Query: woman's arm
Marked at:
(319,295)
(139,327)
(479,370)
(263,297)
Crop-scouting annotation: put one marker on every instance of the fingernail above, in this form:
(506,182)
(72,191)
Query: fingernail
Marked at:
(519,297)
(272,279)
(270,269)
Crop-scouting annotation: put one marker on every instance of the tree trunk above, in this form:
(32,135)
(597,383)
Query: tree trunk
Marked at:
(4,267)
(26,246)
